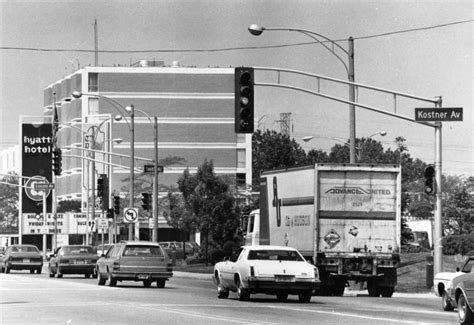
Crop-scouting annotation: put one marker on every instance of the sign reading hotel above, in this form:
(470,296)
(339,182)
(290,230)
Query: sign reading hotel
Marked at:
(445,114)
(36,159)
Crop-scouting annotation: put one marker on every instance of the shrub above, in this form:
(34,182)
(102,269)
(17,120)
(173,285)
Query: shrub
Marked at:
(216,255)
(458,244)
(230,247)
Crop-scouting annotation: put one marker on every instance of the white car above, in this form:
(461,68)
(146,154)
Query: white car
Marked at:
(445,283)
(273,270)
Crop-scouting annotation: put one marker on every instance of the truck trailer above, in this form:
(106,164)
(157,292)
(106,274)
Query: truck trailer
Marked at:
(343,218)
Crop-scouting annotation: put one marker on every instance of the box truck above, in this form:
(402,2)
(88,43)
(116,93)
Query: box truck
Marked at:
(344,218)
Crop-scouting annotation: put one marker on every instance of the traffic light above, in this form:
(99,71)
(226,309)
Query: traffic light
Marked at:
(244,110)
(117,205)
(110,213)
(100,186)
(430,184)
(146,201)
(57,161)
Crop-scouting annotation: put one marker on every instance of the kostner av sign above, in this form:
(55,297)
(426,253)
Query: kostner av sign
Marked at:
(445,114)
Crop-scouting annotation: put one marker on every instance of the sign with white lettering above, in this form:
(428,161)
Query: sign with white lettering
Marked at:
(433,114)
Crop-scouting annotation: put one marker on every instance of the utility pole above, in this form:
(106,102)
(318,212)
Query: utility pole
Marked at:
(285,119)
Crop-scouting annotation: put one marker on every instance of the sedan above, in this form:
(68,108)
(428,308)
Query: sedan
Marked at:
(22,257)
(72,259)
(464,296)
(445,283)
(273,270)
(134,261)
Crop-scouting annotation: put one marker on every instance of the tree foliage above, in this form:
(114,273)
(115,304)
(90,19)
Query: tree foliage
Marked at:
(9,206)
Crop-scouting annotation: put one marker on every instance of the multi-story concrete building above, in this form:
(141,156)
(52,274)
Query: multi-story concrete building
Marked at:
(195,118)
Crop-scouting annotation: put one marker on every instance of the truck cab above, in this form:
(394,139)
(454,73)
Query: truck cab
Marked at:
(252,236)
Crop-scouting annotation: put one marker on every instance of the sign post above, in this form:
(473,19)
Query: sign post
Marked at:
(46,188)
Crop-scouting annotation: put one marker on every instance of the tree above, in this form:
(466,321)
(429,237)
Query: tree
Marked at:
(9,206)
(271,150)
(316,156)
(69,206)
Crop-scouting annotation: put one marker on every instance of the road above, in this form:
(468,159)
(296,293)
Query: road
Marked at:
(37,299)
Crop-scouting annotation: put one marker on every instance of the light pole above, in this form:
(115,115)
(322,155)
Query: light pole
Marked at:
(258,30)
(130,110)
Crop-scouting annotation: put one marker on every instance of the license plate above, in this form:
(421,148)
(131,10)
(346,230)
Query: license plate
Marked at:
(79,262)
(143,276)
(26,260)
(284,278)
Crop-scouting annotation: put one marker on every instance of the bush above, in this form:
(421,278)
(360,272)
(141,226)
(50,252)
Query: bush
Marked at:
(458,244)
(230,247)
(217,255)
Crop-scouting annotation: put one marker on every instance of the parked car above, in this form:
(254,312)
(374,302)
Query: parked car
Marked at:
(175,248)
(273,270)
(444,283)
(134,261)
(102,249)
(72,259)
(22,257)
(464,295)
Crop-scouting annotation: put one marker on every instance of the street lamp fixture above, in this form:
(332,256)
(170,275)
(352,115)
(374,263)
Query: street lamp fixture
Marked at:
(257,30)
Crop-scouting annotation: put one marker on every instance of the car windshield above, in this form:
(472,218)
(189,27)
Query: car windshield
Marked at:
(77,250)
(24,249)
(141,250)
(468,267)
(277,255)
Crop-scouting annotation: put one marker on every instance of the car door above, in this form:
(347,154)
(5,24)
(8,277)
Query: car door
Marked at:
(228,267)
(104,260)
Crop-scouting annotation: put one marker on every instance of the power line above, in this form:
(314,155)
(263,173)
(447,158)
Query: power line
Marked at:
(230,48)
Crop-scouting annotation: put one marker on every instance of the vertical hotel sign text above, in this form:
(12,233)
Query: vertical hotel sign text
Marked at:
(36,158)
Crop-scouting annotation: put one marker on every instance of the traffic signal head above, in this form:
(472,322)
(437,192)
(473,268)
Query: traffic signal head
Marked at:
(110,213)
(244,100)
(117,205)
(430,184)
(57,161)
(100,186)
(146,201)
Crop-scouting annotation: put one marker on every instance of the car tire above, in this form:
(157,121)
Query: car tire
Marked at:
(161,283)
(373,288)
(51,273)
(282,297)
(2,269)
(112,280)
(387,292)
(338,290)
(32,271)
(305,297)
(243,293)
(466,316)
(38,271)
(7,269)
(87,275)
(100,279)
(445,302)
(222,292)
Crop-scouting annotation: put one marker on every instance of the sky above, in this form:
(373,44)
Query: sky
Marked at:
(423,48)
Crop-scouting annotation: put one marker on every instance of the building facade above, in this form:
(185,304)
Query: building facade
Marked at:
(195,122)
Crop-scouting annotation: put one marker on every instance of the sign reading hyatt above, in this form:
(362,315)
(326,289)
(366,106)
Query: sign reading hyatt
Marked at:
(36,158)
(451,114)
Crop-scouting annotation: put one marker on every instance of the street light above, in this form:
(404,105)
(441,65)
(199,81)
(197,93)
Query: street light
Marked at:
(131,112)
(258,30)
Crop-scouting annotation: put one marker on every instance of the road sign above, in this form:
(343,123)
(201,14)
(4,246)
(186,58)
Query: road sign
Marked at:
(151,169)
(130,215)
(43,186)
(102,223)
(30,188)
(433,114)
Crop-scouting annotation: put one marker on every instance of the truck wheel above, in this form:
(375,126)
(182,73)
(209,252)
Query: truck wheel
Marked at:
(386,292)
(445,302)
(466,316)
(147,283)
(305,297)
(243,294)
(373,288)
(161,283)
(282,297)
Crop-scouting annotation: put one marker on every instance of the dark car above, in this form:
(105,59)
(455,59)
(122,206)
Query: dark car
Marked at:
(72,259)
(175,249)
(22,257)
(134,261)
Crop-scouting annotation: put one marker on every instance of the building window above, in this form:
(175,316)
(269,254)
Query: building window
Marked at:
(93,82)
(240,158)
(93,106)
(240,179)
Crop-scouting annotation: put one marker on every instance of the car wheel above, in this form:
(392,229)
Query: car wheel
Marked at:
(445,302)
(100,279)
(161,283)
(32,271)
(2,268)
(373,288)
(51,273)
(305,297)
(112,280)
(7,269)
(87,275)
(38,271)
(222,292)
(465,313)
(282,297)
(387,292)
(243,294)
(338,290)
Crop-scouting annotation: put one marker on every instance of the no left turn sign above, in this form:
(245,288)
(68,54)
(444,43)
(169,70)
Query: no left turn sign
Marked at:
(130,215)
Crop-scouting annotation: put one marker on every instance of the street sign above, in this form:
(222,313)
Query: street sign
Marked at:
(151,169)
(43,186)
(102,223)
(30,188)
(130,215)
(433,114)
